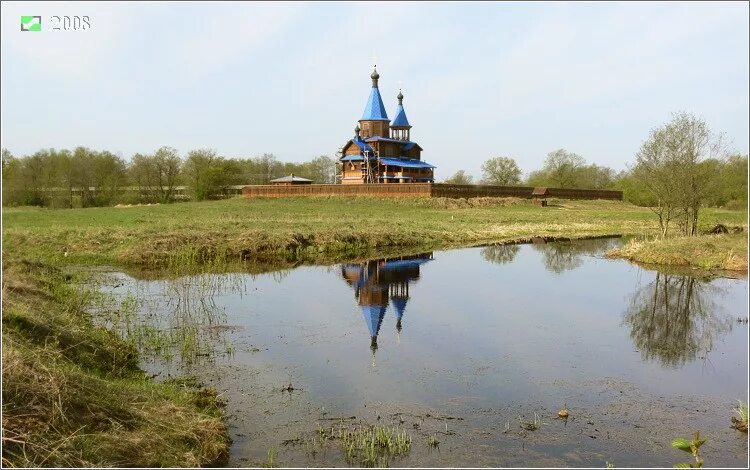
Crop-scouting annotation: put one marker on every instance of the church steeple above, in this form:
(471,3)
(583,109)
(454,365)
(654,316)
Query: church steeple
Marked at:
(374,120)
(400,128)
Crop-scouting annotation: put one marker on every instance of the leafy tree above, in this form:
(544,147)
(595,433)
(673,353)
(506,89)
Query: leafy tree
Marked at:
(562,169)
(321,169)
(142,174)
(595,177)
(732,189)
(200,173)
(167,169)
(501,171)
(109,175)
(633,190)
(460,177)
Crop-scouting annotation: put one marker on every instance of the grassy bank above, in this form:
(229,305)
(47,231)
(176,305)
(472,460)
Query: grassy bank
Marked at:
(73,395)
(306,228)
(723,252)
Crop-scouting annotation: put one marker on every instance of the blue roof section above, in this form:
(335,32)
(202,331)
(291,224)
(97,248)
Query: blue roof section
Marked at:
(409,145)
(373,317)
(400,119)
(405,163)
(405,263)
(352,158)
(399,305)
(387,139)
(405,144)
(374,110)
(362,144)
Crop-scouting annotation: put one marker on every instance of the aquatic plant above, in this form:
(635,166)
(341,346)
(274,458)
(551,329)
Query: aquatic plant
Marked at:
(432,441)
(693,447)
(271,458)
(373,446)
(740,423)
(531,425)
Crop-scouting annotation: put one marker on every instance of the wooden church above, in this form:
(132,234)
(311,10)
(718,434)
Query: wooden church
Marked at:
(382,151)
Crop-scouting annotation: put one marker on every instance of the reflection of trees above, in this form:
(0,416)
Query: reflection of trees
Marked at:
(674,319)
(567,255)
(500,254)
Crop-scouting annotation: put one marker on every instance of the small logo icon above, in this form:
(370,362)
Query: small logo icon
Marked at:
(31,23)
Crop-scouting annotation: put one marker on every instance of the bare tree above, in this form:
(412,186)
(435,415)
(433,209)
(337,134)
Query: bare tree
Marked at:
(672,165)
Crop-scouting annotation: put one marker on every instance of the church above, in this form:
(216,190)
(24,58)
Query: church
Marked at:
(382,151)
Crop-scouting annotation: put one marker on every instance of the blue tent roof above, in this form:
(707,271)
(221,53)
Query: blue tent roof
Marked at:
(373,317)
(387,139)
(409,145)
(405,162)
(374,110)
(362,144)
(404,263)
(400,119)
(399,304)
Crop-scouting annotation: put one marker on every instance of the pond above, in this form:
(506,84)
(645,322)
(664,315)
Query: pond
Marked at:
(471,351)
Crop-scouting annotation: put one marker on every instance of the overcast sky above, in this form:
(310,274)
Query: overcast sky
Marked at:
(480,79)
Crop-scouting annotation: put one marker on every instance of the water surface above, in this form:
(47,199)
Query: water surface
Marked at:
(459,344)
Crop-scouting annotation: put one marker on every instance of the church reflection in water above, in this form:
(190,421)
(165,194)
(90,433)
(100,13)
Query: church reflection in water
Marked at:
(376,282)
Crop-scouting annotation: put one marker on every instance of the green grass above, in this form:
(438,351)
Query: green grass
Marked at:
(373,446)
(306,228)
(722,252)
(73,395)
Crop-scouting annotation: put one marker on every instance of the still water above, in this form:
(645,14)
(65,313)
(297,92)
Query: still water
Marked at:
(462,345)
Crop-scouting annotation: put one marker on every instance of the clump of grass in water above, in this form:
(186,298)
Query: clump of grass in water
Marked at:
(183,331)
(271,459)
(373,446)
(740,423)
(432,441)
(531,425)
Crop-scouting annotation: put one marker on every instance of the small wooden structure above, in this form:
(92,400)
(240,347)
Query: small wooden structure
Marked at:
(539,195)
(290,180)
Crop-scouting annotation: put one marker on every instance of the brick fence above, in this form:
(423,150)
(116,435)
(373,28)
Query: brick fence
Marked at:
(422,190)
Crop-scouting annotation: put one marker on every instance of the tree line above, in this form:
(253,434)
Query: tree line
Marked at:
(85,178)
(680,167)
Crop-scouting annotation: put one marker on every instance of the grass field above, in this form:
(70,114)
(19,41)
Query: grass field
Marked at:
(307,228)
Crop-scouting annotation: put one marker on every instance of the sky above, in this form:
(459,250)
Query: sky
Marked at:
(480,80)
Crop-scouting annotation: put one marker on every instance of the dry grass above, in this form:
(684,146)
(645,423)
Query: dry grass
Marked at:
(73,395)
(723,252)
